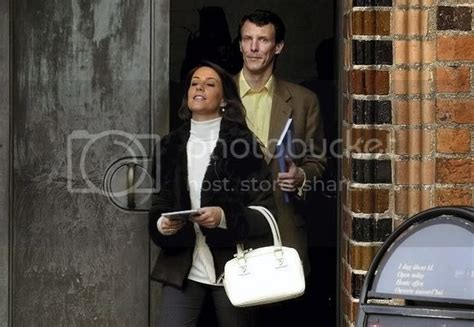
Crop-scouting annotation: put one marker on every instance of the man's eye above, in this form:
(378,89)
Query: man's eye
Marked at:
(211,84)
(194,83)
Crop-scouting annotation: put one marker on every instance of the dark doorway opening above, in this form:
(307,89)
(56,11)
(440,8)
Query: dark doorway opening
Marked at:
(207,30)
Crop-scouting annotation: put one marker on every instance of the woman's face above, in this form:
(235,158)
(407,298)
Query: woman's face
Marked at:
(205,94)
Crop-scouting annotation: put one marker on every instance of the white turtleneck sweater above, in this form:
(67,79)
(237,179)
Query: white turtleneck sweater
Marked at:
(202,141)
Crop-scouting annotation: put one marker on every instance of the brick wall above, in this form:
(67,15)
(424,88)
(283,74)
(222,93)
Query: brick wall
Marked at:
(408,122)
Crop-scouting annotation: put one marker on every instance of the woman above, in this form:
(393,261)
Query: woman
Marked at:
(212,163)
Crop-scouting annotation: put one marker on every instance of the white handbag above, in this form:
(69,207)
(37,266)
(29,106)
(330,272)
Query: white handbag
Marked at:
(264,275)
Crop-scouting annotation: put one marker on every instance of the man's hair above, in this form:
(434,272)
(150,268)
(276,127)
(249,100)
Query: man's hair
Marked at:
(261,18)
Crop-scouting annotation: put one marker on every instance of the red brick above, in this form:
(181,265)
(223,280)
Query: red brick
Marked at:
(413,141)
(346,277)
(347,54)
(345,248)
(398,222)
(361,256)
(354,310)
(411,201)
(346,166)
(458,111)
(413,112)
(414,172)
(371,22)
(346,136)
(459,171)
(411,81)
(410,22)
(347,83)
(453,79)
(345,194)
(453,196)
(459,47)
(369,140)
(347,26)
(453,140)
(369,200)
(414,52)
(347,110)
(350,307)
(370,82)
(347,223)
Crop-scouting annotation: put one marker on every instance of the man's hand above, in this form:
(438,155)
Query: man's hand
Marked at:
(291,180)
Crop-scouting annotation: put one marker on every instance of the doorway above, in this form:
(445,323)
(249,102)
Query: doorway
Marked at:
(207,30)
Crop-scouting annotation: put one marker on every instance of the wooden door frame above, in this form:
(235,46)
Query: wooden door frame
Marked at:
(159,109)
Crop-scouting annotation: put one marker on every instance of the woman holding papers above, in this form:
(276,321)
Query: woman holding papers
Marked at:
(212,164)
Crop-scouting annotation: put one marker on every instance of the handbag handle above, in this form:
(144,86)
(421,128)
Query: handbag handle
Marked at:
(273,226)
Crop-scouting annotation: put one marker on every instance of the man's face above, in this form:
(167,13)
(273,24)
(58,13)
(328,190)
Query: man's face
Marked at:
(258,47)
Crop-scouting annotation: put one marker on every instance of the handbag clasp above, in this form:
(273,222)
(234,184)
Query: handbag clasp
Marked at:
(242,261)
(279,258)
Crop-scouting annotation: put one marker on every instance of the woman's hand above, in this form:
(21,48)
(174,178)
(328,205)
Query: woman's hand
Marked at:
(210,217)
(168,226)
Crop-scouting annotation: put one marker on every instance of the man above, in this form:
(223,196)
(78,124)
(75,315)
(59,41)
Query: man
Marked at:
(269,102)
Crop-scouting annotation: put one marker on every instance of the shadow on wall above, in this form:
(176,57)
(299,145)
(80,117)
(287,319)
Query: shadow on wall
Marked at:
(211,42)
(320,207)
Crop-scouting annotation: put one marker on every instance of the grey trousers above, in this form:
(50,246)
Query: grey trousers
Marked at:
(181,308)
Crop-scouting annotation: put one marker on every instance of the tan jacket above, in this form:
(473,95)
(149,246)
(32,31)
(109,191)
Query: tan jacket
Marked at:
(292,100)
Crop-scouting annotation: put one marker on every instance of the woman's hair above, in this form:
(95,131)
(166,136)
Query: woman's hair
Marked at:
(234,109)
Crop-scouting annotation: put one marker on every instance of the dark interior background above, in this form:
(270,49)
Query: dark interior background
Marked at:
(208,29)
(308,23)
